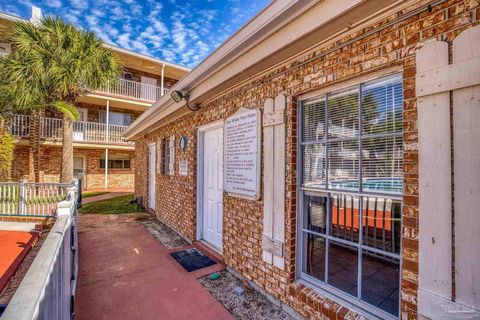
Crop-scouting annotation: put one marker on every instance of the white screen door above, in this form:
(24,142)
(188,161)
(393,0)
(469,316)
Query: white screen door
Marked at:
(213,187)
(151,176)
(148,88)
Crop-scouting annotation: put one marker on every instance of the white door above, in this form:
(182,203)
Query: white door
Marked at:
(79,170)
(79,127)
(148,89)
(213,187)
(151,176)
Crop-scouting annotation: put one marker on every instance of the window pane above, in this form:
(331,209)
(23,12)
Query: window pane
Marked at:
(343,165)
(345,217)
(382,165)
(314,166)
(102,163)
(314,121)
(382,106)
(380,282)
(343,114)
(314,256)
(343,267)
(315,213)
(381,223)
(126,164)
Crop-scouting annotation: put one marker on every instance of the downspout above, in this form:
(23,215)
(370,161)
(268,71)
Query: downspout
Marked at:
(162,80)
(106,144)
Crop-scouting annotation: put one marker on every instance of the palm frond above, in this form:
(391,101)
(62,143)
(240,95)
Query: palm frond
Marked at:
(67,109)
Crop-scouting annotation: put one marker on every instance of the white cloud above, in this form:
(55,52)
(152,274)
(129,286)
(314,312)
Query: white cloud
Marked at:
(184,32)
(54,3)
(79,4)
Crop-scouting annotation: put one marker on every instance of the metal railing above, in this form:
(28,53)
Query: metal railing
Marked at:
(51,128)
(83,131)
(137,90)
(31,199)
(19,125)
(96,132)
(48,289)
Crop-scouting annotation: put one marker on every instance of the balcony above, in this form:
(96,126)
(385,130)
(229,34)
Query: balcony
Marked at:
(133,89)
(83,131)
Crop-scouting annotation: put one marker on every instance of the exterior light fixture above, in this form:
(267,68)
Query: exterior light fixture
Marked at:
(177,96)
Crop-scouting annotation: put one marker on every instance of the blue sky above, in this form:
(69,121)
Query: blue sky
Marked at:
(178,31)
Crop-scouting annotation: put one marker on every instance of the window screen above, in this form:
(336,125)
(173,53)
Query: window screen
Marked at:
(350,205)
(116,163)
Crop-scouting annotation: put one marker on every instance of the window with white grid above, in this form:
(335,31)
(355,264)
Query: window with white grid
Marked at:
(350,193)
(169,155)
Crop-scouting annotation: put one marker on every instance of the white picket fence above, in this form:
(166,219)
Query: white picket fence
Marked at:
(31,199)
(48,289)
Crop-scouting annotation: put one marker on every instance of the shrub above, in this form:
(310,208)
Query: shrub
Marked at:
(7,145)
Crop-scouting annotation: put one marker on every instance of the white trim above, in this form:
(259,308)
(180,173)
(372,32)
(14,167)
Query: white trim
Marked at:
(10,17)
(81,110)
(211,125)
(144,57)
(151,145)
(199,200)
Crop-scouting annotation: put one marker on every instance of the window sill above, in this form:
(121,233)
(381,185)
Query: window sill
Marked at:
(328,301)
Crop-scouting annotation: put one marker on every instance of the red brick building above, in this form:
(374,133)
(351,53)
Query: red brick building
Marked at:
(330,161)
(101,154)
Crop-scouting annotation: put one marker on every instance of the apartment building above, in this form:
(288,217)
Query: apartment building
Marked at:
(329,152)
(101,155)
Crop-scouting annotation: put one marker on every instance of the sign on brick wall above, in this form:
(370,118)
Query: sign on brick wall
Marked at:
(242,154)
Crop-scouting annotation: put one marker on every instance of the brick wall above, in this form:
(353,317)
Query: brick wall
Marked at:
(51,160)
(394,46)
(20,169)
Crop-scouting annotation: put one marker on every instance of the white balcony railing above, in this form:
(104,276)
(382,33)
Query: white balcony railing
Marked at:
(51,128)
(20,126)
(133,89)
(83,131)
(97,132)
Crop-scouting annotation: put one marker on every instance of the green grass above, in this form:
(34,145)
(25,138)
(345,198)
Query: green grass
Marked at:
(116,205)
(92,193)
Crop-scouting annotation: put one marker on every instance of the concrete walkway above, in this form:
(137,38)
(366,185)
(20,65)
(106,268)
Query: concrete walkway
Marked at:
(104,196)
(125,273)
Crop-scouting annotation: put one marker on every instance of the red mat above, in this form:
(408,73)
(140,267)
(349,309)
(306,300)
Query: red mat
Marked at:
(14,246)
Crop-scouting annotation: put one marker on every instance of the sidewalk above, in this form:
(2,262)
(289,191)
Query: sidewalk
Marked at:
(105,196)
(125,273)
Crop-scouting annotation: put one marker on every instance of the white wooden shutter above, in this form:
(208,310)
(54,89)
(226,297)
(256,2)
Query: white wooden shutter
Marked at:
(274,181)
(466,168)
(435,78)
(171,162)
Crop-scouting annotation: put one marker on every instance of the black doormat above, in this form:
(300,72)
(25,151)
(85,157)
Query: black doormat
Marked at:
(192,259)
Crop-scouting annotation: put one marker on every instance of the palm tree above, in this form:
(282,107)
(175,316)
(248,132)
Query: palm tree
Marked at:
(23,90)
(60,63)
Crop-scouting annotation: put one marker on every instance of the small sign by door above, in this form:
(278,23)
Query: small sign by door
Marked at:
(183,168)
